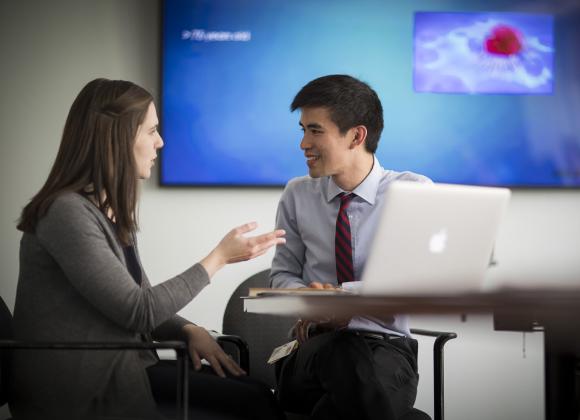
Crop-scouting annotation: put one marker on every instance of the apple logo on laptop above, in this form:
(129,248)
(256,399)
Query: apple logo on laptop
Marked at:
(438,242)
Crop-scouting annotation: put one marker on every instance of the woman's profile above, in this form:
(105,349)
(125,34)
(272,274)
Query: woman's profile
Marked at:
(81,279)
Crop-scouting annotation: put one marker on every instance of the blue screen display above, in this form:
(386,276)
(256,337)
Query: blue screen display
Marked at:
(476,92)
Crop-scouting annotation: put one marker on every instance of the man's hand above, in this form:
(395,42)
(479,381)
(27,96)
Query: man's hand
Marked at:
(301,329)
(202,346)
(303,326)
(318,285)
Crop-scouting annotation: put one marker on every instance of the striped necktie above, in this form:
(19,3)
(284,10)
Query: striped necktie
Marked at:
(342,242)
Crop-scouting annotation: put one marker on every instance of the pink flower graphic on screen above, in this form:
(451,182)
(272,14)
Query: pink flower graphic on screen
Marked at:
(504,40)
(483,53)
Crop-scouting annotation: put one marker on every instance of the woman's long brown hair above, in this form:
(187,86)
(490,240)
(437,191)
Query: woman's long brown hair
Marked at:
(95,157)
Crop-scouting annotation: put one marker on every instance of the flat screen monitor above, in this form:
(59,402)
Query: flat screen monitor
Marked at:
(474,92)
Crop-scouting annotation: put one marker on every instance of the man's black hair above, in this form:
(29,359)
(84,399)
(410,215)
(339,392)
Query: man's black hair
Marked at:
(349,101)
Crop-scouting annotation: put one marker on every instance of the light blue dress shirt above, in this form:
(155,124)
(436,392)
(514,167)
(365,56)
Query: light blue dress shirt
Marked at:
(307,212)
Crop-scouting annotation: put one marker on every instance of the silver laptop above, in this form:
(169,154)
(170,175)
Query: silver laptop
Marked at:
(434,239)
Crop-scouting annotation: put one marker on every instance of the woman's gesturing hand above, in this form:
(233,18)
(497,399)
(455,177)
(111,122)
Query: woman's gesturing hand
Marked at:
(236,247)
(202,346)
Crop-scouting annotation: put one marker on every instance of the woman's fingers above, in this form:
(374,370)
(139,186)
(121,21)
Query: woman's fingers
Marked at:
(245,228)
(271,239)
(214,363)
(195,359)
(265,246)
(221,361)
(231,366)
(268,237)
(253,247)
(235,247)
(203,346)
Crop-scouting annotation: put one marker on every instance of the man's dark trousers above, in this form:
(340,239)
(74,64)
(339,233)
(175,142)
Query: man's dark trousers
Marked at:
(350,375)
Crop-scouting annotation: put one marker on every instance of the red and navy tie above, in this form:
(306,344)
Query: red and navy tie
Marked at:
(342,242)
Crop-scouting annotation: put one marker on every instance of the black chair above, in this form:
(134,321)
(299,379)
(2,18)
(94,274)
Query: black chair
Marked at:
(7,343)
(263,333)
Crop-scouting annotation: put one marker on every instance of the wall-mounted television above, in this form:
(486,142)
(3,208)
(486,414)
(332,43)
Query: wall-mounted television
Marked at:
(483,92)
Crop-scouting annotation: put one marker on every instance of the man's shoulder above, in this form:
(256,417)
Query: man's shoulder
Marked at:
(304,185)
(390,176)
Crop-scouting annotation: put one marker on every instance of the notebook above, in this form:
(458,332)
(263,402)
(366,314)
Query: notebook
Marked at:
(434,239)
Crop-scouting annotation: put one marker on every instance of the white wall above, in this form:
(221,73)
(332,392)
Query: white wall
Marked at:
(51,49)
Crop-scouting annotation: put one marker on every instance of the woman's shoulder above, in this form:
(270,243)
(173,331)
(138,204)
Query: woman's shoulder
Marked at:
(70,200)
(70,207)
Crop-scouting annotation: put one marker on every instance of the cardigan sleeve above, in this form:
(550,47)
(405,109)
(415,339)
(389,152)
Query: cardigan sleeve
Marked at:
(74,236)
(172,329)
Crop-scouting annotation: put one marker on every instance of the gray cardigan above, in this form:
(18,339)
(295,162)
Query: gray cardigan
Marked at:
(74,285)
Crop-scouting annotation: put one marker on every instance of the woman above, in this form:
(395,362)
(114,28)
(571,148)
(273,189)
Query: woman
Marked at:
(81,279)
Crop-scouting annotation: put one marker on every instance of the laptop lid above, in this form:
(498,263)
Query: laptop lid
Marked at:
(433,239)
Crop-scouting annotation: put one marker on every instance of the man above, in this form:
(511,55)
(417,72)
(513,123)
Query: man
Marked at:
(360,368)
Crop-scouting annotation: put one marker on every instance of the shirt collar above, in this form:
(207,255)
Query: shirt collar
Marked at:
(367,190)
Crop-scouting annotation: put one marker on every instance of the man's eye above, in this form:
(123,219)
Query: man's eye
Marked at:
(316,131)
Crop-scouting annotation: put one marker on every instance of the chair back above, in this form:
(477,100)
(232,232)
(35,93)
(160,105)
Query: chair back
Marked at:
(6,333)
(262,332)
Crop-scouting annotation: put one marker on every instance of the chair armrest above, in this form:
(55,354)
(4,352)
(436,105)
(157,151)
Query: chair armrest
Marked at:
(242,347)
(441,337)
(433,333)
(95,345)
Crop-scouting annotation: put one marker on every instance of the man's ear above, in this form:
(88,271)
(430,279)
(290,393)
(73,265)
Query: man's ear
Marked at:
(359,136)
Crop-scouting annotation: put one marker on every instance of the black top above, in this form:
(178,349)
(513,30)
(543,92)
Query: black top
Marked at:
(130,257)
(133,263)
